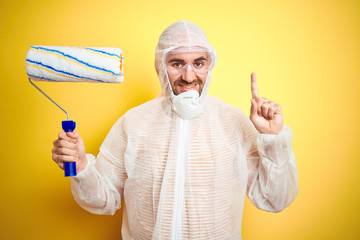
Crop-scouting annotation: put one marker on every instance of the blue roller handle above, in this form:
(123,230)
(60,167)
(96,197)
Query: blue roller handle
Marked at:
(69,167)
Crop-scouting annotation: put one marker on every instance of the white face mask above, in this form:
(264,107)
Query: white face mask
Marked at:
(187,104)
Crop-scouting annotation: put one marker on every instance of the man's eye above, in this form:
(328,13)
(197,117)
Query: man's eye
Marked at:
(199,64)
(177,65)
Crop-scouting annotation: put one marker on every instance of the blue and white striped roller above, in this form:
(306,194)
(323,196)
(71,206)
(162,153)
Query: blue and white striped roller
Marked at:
(75,64)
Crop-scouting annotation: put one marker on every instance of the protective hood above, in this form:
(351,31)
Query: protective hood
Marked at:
(182,34)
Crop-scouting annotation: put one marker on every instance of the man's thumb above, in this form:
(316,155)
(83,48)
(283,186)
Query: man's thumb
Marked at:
(73,135)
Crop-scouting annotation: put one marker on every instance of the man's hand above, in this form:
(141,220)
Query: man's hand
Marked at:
(264,114)
(69,147)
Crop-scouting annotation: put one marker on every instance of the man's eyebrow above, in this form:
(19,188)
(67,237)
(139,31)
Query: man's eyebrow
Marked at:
(176,60)
(182,60)
(200,58)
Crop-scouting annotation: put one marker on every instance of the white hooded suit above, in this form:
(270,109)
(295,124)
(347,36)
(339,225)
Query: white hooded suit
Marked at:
(186,176)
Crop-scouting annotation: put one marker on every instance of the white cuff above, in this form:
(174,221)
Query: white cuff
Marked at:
(90,164)
(276,148)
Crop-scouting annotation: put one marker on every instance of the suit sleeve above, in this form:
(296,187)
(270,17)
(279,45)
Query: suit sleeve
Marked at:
(99,188)
(272,172)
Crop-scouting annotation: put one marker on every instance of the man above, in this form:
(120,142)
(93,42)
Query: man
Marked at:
(184,161)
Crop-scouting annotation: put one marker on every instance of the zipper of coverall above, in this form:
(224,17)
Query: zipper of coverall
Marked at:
(182,143)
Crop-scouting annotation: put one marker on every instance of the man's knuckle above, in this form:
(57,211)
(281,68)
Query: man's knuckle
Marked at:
(55,158)
(62,142)
(61,165)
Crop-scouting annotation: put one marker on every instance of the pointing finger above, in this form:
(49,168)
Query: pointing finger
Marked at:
(254,88)
(254,108)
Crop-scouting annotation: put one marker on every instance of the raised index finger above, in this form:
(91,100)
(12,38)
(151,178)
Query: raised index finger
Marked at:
(254,88)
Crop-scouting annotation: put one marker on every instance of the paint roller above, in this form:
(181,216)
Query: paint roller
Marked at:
(73,64)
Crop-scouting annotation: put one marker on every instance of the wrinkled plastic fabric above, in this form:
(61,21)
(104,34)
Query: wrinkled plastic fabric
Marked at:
(187,179)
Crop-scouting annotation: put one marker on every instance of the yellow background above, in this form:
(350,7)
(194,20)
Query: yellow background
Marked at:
(306,55)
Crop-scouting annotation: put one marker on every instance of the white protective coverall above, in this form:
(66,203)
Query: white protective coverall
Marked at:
(185,176)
